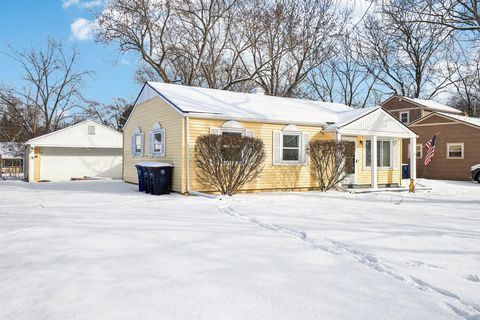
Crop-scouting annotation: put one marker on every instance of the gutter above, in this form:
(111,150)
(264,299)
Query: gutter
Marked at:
(187,147)
(257,120)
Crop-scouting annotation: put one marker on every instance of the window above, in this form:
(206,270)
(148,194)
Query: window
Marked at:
(384,153)
(157,141)
(290,146)
(137,143)
(405,117)
(231,152)
(91,130)
(418,152)
(455,150)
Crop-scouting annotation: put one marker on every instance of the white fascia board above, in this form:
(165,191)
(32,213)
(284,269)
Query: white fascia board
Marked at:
(376,133)
(147,93)
(257,120)
(73,146)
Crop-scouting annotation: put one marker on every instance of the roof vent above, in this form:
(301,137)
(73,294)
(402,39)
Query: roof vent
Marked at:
(257,90)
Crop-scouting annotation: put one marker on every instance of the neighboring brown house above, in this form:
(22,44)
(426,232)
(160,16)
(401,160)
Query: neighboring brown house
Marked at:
(457,145)
(458,140)
(408,110)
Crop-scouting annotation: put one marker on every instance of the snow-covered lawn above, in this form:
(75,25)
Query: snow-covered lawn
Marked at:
(101,250)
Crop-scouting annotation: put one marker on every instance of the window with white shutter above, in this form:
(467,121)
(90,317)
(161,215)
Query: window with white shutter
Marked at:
(290,146)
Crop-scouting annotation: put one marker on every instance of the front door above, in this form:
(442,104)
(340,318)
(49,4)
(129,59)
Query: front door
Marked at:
(350,163)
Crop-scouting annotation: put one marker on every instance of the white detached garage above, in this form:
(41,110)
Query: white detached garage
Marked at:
(87,149)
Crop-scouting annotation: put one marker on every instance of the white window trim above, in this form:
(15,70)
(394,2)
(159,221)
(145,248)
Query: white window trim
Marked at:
(137,133)
(291,162)
(233,130)
(365,167)
(408,117)
(455,144)
(155,130)
(421,151)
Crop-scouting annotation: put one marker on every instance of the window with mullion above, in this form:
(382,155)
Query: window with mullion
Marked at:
(291,147)
(138,143)
(384,152)
(231,152)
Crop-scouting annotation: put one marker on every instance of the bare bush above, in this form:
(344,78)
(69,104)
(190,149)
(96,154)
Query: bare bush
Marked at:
(227,163)
(329,159)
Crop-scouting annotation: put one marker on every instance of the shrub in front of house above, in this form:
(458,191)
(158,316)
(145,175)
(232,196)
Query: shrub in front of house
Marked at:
(226,163)
(329,162)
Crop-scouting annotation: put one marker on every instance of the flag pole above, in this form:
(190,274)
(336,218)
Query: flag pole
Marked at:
(425,166)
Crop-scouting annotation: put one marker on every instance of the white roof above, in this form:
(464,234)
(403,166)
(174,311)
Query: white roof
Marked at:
(470,120)
(78,136)
(433,105)
(370,121)
(248,106)
(346,117)
(212,103)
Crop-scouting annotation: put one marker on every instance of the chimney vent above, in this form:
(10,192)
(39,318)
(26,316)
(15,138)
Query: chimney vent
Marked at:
(257,90)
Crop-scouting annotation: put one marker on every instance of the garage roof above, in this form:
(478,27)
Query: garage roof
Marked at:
(86,134)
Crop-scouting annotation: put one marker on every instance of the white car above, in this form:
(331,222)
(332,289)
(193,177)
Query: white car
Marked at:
(475,173)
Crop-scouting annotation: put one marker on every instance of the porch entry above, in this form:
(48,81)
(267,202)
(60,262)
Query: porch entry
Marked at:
(350,161)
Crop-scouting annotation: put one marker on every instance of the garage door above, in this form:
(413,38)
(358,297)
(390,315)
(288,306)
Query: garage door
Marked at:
(61,164)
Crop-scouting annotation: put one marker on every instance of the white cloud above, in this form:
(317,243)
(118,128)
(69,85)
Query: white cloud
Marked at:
(83,29)
(68,3)
(82,4)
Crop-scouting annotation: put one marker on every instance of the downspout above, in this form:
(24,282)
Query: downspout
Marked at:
(187,146)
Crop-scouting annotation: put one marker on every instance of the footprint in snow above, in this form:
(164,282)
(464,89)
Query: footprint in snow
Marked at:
(473,277)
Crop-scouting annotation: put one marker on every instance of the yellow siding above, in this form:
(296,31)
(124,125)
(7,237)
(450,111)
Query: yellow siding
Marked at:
(272,177)
(144,116)
(36,164)
(385,176)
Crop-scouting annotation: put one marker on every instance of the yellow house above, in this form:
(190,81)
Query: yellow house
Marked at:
(168,118)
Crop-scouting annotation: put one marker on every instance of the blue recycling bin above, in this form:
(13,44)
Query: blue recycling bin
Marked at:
(405,171)
(141,177)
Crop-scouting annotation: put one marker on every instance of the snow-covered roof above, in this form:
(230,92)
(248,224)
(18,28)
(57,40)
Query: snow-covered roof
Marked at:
(79,135)
(10,150)
(433,105)
(470,120)
(370,121)
(212,103)
(248,106)
(344,118)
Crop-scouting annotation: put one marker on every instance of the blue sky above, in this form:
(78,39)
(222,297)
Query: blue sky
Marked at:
(25,23)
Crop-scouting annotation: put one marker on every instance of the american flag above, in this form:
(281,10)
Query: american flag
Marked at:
(430,146)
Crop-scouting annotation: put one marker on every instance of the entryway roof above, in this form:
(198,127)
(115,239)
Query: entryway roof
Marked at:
(372,121)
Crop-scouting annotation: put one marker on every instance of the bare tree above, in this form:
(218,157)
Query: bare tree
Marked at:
(465,66)
(224,44)
(461,15)
(329,160)
(189,42)
(405,57)
(113,115)
(292,38)
(227,163)
(51,90)
(342,79)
